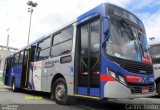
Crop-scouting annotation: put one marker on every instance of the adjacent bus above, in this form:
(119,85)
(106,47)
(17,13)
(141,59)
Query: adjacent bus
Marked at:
(102,54)
(155,54)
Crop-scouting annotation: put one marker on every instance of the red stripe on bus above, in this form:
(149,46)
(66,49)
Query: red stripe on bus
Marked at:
(133,79)
(105,78)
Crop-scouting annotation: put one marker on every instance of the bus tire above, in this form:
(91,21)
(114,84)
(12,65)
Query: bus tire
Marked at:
(158,88)
(14,89)
(59,92)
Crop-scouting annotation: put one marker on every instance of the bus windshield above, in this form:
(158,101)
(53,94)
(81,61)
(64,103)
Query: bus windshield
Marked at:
(126,41)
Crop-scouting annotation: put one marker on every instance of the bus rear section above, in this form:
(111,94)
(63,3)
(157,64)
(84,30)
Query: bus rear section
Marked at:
(7,71)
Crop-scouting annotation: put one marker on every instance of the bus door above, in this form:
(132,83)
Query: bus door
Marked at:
(28,57)
(24,74)
(7,69)
(88,55)
(24,67)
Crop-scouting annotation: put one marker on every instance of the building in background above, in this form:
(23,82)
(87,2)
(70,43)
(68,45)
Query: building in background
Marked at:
(4,52)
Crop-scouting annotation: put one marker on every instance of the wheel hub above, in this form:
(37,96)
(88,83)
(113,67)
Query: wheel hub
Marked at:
(60,91)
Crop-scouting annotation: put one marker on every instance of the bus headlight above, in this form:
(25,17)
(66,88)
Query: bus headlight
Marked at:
(118,77)
(112,74)
(122,79)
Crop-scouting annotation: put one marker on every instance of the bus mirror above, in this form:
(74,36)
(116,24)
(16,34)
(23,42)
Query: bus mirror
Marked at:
(106,38)
(106,32)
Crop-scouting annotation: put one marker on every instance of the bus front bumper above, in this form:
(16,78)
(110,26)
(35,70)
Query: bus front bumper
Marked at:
(117,90)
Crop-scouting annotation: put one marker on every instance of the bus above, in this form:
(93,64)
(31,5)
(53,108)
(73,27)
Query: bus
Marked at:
(155,55)
(102,54)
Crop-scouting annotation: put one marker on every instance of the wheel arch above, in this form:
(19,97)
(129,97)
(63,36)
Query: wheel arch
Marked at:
(13,78)
(157,80)
(56,76)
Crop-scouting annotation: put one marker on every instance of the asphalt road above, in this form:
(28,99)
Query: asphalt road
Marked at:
(29,100)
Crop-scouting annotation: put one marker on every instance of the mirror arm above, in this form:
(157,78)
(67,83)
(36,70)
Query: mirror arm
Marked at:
(106,39)
(105,30)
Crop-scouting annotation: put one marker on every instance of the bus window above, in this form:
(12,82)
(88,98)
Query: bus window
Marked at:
(43,49)
(64,35)
(21,58)
(62,48)
(45,43)
(16,59)
(62,42)
(44,54)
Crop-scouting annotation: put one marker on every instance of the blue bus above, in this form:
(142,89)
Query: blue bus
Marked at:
(102,54)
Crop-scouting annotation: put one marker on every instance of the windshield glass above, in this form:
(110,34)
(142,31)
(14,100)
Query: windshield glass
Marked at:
(126,41)
(143,43)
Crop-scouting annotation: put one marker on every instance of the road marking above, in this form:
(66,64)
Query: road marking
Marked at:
(33,97)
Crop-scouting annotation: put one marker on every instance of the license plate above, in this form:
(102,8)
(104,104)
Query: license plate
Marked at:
(145,90)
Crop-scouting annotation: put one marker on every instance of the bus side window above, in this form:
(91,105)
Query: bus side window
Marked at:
(21,58)
(62,42)
(37,53)
(43,49)
(16,59)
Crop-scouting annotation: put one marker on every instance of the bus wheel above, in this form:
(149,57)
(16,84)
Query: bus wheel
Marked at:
(59,91)
(14,89)
(158,88)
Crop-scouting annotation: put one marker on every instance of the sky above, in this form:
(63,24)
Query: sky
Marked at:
(51,14)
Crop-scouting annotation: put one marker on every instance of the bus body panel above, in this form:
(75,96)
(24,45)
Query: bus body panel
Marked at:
(113,89)
(99,10)
(50,68)
(15,72)
(156,71)
(35,76)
